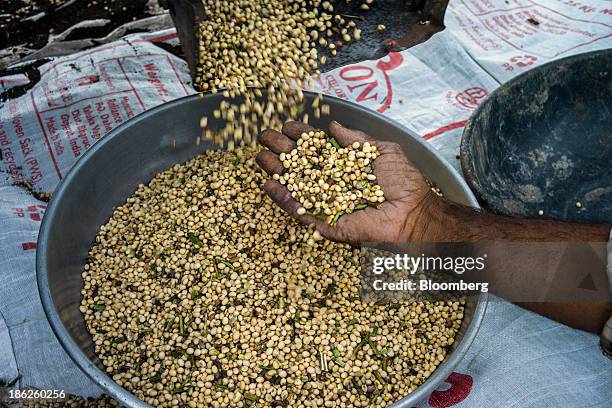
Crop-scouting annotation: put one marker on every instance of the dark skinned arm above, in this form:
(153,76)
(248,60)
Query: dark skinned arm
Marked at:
(412,213)
(442,221)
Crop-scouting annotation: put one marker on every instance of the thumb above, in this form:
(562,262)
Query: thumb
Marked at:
(346,136)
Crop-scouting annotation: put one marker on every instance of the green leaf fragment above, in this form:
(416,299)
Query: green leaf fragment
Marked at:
(181,326)
(197,242)
(351,260)
(319,216)
(99,307)
(379,377)
(224,262)
(245,288)
(155,378)
(331,288)
(169,324)
(336,218)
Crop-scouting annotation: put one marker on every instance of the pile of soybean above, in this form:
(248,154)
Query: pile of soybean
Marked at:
(199,291)
(330,180)
(276,45)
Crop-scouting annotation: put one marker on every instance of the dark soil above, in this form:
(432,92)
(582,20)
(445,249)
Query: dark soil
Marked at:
(404,27)
(30,71)
(20,24)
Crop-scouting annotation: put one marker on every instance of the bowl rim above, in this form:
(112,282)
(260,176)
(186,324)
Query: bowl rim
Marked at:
(125,397)
(466,147)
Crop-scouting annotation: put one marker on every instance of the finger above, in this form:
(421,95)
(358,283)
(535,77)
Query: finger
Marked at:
(295,129)
(276,141)
(390,148)
(281,196)
(346,136)
(331,233)
(269,162)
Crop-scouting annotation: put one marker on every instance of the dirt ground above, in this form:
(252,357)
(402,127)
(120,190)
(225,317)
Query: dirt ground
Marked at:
(26,25)
(30,22)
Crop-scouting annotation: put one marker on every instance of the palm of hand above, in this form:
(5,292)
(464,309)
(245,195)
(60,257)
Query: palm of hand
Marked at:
(404,187)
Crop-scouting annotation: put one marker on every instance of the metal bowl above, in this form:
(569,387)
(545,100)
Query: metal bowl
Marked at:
(134,153)
(543,142)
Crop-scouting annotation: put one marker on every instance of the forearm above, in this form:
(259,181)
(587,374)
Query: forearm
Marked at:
(448,222)
(539,271)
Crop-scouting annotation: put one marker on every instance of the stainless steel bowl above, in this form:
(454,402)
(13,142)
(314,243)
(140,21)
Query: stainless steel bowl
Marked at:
(152,142)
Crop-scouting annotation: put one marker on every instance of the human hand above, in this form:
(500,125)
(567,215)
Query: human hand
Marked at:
(397,219)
